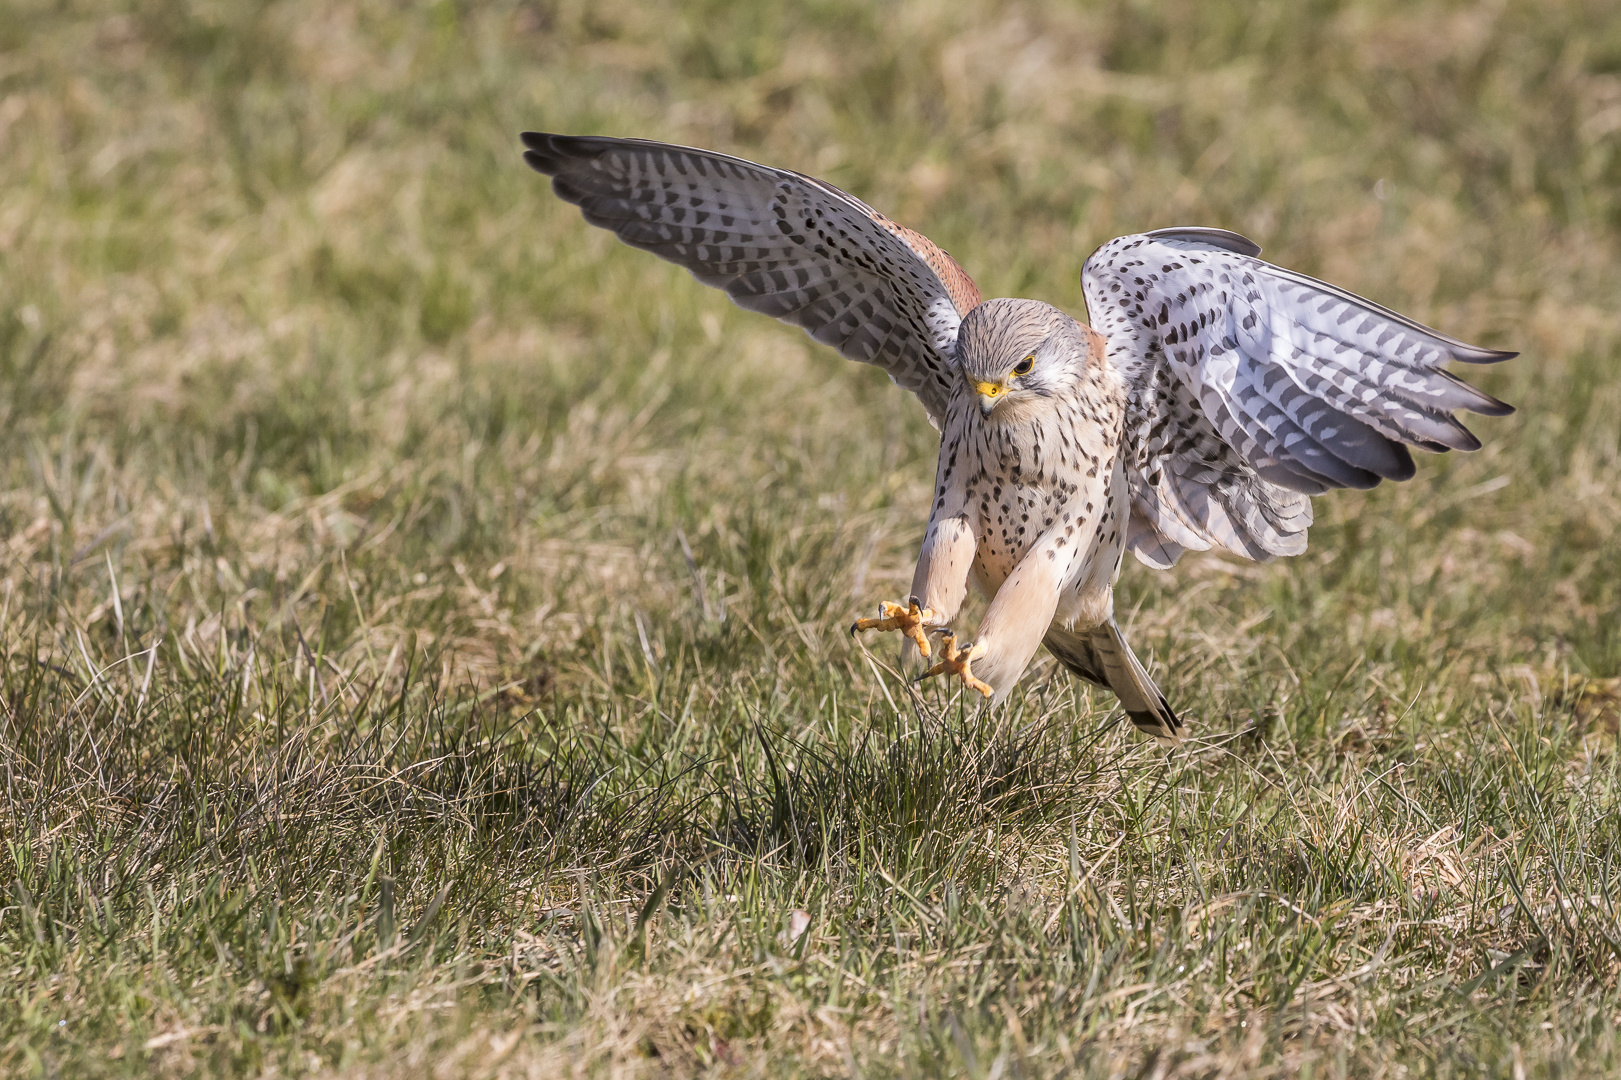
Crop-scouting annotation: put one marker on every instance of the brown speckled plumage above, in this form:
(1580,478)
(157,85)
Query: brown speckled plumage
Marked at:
(1215,396)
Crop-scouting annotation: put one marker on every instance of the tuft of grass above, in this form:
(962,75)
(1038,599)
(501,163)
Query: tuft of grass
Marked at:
(423,619)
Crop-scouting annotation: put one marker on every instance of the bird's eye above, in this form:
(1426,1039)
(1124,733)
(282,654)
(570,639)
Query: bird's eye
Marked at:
(1023,366)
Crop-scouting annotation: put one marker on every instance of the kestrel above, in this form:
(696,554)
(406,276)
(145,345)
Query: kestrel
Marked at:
(1212,396)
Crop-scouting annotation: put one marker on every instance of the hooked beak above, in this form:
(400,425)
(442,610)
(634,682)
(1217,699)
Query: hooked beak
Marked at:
(989,394)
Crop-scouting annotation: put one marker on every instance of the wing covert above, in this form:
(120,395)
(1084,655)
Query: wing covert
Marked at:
(1254,387)
(779,243)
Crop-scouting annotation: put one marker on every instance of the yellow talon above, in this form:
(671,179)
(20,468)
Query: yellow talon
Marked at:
(957,663)
(909,620)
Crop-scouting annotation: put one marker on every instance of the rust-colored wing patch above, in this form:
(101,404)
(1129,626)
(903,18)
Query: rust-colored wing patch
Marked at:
(959,286)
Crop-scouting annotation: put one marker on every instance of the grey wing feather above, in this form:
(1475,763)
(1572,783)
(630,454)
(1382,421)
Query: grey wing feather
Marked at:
(1219,238)
(779,243)
(1253,387)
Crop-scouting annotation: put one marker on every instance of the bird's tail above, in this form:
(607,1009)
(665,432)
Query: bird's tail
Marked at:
(1102,656)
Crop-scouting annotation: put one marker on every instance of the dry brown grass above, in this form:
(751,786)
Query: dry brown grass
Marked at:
(373,528)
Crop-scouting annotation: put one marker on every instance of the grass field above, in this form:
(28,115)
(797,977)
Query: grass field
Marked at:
(423,618)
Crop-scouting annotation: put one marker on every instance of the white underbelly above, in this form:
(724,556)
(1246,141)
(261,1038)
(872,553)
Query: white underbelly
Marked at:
(1086,597)
(1010,519)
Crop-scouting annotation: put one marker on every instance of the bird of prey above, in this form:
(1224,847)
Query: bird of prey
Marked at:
(1211,397)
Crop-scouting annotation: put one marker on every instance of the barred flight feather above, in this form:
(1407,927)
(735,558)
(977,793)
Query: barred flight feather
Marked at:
(1305,386)
(778,243)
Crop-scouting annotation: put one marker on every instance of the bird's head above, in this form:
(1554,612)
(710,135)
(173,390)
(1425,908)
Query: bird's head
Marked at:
(1016,353)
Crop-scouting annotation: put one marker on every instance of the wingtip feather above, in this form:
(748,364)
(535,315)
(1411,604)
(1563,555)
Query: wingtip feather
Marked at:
(543,153)
(1468,442)
(1406,468)
(1490,406)
(549,153)
(1469,354)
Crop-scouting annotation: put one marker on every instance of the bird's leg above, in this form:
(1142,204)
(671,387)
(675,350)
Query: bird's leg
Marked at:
(956,662)
(1017,618)
(909,620)
(938,586)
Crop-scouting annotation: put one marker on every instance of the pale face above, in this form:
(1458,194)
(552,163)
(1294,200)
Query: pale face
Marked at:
(1015,355)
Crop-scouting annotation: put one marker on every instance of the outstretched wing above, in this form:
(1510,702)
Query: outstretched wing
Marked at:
(1253,388)
(779,243)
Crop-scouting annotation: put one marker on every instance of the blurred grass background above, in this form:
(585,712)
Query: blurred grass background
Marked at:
(423,617)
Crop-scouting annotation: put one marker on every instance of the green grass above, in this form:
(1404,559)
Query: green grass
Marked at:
(362,710)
